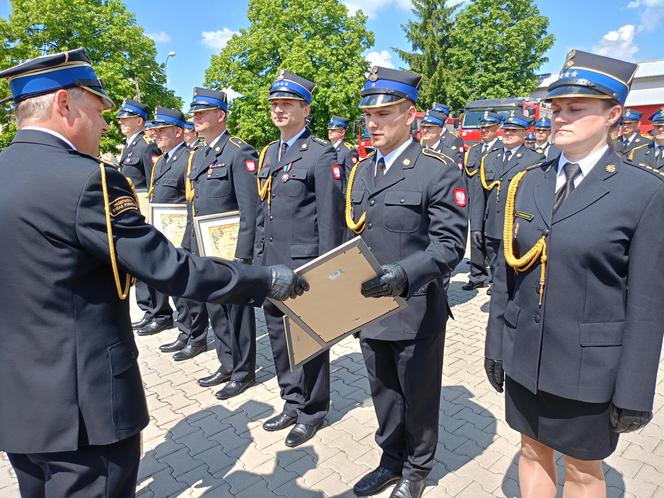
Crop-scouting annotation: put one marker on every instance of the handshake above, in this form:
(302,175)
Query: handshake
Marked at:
(285,283)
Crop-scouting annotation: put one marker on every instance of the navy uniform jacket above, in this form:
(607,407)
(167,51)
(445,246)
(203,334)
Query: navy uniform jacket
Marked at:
(475,190)
(68,364)
(347,158)
(415,217)
(224,179)
(451,145)
(626,148)
(304,216)
(493,208)
(550,151)
(168,180)
(645,155)
(598,334)
(137,160)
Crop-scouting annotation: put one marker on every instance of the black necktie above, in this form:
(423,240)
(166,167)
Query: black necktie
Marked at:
(506,158)
(282,152)
(206,149)
(380,171)
(572,170)
(484,148)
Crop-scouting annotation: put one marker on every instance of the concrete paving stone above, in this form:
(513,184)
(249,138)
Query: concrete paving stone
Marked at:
(659,493)
(333,485)
(635,452)
(454,483)
(346,467)
(164,416)
(258,490)
(274,475)
(163,484)
(240,479)
(228,439)
(648,473)
(509,488)
(474,490)
(150,465)
(165,448)
(196,442)
(627,466)
(252,457)
(209,425)
(217,460)
(349,447)
(641,489)
(297,489)
(488,480)
(180,462)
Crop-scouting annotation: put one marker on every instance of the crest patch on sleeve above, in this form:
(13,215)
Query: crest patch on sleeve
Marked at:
(122,204)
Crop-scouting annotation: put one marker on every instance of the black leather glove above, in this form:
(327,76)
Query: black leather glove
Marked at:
(244,261)
(623,420)
(477,238)
(495,373)
(286,283)
(392,282)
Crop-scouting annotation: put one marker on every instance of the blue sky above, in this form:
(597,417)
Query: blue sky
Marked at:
(629,29)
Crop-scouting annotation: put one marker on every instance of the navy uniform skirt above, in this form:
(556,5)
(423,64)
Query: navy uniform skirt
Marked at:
(574,428)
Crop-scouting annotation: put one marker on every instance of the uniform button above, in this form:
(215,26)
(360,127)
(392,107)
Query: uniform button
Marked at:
(369,226)
(372,202)
(196,195)
(273,194)
(369,247)
(270,239)
(402,201)
(251,300)
(271,218)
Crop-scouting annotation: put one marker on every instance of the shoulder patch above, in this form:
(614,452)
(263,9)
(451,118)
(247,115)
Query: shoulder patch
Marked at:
(370,154)
(438,155)
(320,141)
(237,141)
(147,139)
(122,205)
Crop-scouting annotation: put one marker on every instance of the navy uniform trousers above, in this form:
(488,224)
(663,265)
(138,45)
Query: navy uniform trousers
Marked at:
(416,217)
(223,180)
(303,220)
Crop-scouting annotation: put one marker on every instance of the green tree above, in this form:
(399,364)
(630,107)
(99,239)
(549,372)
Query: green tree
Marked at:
(496,48)
(122,55)
(316,40)
(429,36)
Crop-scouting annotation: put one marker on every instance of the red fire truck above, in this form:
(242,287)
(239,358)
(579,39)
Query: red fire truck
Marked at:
(469,128)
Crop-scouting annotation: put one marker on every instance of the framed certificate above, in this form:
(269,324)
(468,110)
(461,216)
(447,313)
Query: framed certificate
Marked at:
(216,234)
(169,219)
(334,307)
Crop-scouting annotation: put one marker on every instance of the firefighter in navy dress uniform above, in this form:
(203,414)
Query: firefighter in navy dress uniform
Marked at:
(346,156)
(530,140)
(436,136)
(409,205)
(300,218)
(489,125)
(496,170)
(652,155)
(631,137)
(575,327)
(191,137)
(71,399)
(542,143)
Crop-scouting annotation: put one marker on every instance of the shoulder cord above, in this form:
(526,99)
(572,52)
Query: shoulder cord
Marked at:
(491,185)
(129,280)
(538,251)
(188,184)
(631,153)
(358,227)
(265,189)
(469,172)
(154,170)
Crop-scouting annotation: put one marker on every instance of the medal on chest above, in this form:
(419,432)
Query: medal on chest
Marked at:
(286,176)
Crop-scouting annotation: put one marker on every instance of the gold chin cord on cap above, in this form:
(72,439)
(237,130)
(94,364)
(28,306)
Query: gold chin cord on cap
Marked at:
(265,189)
(358,227)
(129,280)
(535,253)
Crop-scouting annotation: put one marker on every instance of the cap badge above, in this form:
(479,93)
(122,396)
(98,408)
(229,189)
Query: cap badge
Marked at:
(281,75)
(373,74)
(406,162)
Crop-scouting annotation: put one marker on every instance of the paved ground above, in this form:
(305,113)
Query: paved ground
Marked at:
(198,446)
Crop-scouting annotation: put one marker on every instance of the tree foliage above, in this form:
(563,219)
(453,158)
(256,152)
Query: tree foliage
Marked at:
(497,47)
(429,36)
(488,49)
(316,40)
(122,55)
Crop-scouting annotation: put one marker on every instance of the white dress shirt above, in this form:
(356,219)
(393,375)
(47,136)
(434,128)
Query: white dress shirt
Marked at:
(392,156)
(586,164)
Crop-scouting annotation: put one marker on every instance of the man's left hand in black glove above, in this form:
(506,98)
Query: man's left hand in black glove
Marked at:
(624,420)
(393,282)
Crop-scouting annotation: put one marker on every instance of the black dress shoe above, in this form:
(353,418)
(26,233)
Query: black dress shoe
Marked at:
(172,347)
(473,285)
(407,488)
(214,380)
(376,481)
(141,323)
(155,326)
(279,422)
(301,433)
(189,352)
(234,387)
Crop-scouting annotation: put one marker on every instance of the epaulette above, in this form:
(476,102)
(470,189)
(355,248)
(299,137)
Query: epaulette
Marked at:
(320,141)
(268,145)
(438,155)
(647,167)
(647,137)
(370,154)
(147,139)
(237,141)
(349,145)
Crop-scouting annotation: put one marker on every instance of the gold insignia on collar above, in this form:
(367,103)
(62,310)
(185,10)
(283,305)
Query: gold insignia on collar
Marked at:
(217,149)
(519,155)
(406,162)
(304,147)
(453,147)
(281,75)
(373,74)
(611,168)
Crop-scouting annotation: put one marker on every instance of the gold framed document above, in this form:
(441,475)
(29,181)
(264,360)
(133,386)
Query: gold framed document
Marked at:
(169,219)
(216,234)
(334,307)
